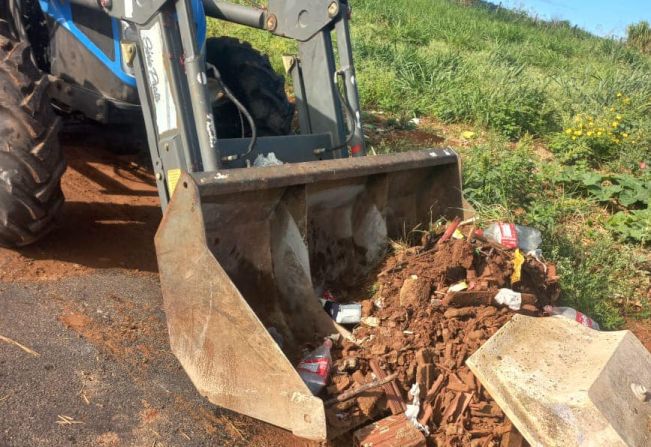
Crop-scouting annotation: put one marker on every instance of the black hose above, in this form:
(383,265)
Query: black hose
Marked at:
(242,109)
(351,116)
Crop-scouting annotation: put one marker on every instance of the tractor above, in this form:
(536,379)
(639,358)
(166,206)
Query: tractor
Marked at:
(257,215)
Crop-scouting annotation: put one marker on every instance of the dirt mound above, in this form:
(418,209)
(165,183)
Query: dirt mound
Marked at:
(415,326)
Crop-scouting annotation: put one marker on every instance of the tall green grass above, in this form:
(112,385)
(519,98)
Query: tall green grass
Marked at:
(486,65)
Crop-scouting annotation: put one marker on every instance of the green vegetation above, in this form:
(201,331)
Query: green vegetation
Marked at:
(639,36)
(563,120)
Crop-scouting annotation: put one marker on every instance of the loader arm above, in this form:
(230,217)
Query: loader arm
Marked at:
(169,65)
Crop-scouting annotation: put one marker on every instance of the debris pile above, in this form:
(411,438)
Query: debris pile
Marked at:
(432,306)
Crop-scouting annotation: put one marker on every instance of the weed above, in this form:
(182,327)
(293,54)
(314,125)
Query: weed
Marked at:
(639,36)
(620,190)
(594,276)
(596,138)
(495,175)
(632,226)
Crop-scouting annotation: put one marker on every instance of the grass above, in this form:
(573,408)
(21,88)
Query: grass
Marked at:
(542,97)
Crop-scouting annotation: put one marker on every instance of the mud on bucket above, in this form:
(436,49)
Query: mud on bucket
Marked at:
(242,250)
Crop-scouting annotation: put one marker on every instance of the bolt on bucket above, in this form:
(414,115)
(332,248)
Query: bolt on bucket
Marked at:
(243,250)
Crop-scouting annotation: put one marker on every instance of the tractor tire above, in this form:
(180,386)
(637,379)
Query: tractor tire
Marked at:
(31,161)
(252,80)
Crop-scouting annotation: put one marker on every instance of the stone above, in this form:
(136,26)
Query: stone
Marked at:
(415,291)
(564,384)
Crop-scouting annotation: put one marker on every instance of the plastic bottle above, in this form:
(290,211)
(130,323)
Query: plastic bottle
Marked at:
(572,314)
(510,235)
(314,369)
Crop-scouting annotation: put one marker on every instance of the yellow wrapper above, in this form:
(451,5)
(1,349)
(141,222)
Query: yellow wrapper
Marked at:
(518,260)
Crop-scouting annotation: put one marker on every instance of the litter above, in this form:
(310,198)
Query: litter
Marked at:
(314,369)
(268,160)
(518,260)
(349,313)
(458,287)
(512,236)
(572,314)
(509,298)
(413,409)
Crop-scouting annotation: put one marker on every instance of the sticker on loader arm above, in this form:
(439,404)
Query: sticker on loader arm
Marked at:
(159,85)
(173,176)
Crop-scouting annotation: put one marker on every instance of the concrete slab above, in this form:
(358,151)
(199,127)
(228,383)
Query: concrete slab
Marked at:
(563,384)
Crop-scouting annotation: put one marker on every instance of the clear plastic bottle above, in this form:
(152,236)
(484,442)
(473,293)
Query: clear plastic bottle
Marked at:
(511,235)
(314,369)
(572,314)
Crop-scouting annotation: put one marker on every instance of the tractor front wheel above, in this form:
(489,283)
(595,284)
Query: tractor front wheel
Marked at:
(31,161)
(252,80)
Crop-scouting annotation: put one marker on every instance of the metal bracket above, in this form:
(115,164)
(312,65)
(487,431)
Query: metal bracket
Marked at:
(301,20)
(136,11)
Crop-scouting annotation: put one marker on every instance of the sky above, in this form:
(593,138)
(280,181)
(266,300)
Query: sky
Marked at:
(601,17)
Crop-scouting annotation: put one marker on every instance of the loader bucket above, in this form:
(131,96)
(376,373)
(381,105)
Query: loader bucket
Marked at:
(243,250)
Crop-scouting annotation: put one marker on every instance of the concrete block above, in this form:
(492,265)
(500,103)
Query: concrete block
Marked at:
(563,384)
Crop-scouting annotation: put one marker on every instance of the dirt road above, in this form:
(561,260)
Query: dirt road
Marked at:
(87,302)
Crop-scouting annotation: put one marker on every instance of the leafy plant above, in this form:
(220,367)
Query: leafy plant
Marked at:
(634,226)
(624,190)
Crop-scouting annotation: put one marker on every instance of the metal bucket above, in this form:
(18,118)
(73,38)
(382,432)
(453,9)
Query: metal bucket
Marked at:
(243,250)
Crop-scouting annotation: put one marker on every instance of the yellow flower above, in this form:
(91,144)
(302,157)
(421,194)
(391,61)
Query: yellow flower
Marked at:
(599,133)
(619,117)
(615,124)
(625,135)
(612,109)
(619,94)
(574,138)
(568,131)
(578,133)
(589,133)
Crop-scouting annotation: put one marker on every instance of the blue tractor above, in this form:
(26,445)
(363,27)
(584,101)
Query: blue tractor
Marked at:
(77,58)
(256,216)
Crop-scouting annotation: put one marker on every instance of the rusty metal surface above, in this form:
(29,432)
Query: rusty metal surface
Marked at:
(224,348)
(246,179)
(248,249)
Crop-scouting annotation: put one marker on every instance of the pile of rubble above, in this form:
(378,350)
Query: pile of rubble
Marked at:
(433,306)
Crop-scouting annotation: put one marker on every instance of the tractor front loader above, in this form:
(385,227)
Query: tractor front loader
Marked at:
(241,247)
